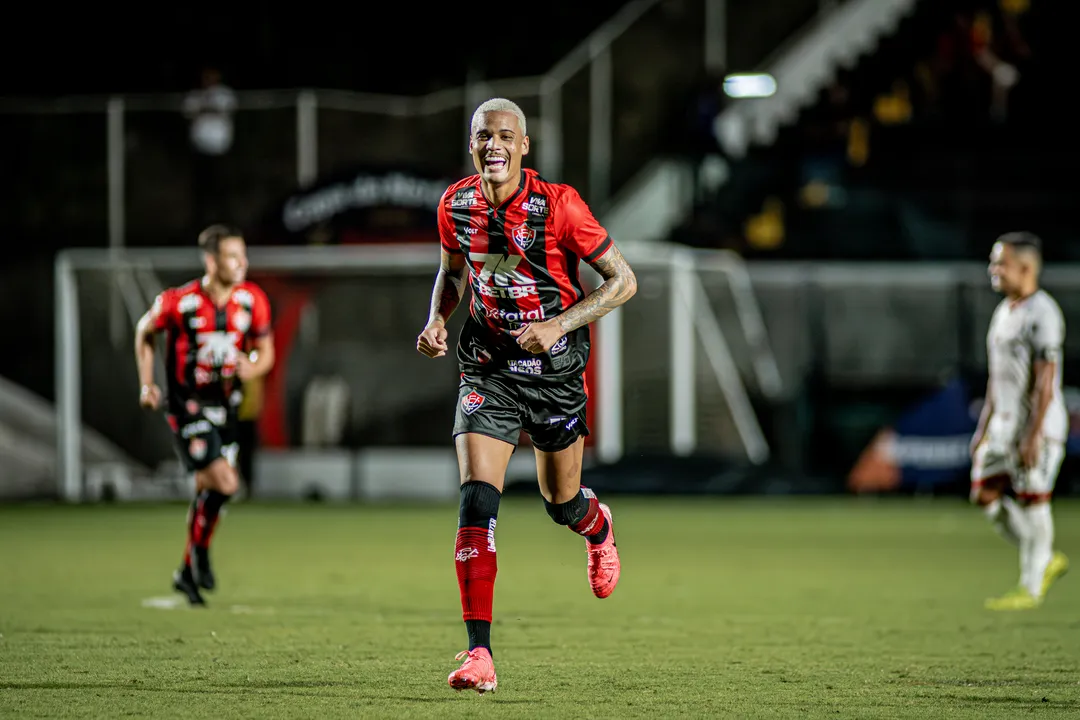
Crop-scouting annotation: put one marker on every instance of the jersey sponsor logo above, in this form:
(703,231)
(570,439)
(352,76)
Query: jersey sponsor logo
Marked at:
(188,303)
(243,297)
(536,204)
(216,349)
(196,322)
(526,366)
(516,292)
(499,269)
(472,402)
(560,346)
(523,236)
(241,320)
(464,198)
(514,317)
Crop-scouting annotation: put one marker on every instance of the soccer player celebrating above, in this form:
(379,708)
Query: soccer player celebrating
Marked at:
(522,352)
(217,337)
(1021,433)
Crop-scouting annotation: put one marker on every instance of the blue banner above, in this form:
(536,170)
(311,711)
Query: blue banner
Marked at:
(929,444)
(933,439)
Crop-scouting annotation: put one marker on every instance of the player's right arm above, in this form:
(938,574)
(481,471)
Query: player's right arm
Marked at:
(150,324)
(448,291)
(984,418)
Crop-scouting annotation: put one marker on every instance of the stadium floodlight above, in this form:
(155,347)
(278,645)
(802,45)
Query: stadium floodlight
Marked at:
(750,85)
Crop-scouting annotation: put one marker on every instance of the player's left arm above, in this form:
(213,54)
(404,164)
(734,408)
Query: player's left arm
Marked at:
(620,284)
(260,360)
(1047,338)
(583,235)
(160,318)
(579,232)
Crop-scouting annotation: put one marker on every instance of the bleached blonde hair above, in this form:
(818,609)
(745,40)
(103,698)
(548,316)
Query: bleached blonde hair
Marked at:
(498,105)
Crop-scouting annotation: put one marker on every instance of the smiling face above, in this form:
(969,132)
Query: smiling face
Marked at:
(1008,270)
(228,266)
(497,145)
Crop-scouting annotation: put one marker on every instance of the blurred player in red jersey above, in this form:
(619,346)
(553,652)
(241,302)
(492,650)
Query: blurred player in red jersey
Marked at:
(217,337)
(518,240)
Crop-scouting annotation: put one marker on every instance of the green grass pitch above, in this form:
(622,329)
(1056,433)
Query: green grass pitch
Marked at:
(741,608)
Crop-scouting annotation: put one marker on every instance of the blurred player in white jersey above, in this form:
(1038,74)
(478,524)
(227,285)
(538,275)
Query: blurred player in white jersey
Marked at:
(1020,439)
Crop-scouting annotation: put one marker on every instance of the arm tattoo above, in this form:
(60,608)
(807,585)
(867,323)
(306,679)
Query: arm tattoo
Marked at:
(619,285)
(449,288)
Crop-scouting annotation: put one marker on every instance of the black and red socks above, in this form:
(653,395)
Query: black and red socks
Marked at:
(474,559)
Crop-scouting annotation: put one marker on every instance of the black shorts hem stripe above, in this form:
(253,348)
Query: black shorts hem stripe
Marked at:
(485,433)
(598,251)
(557,447)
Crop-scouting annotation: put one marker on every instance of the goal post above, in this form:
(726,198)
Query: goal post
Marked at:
(672,370)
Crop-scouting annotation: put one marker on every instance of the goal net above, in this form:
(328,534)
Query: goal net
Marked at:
(671,373)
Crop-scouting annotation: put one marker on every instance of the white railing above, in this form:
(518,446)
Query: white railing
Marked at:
(593,53)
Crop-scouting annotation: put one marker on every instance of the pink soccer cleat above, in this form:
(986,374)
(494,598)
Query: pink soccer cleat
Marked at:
(604,564)
(476,673)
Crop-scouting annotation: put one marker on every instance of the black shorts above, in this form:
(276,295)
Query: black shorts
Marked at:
(204,436)
(500,404)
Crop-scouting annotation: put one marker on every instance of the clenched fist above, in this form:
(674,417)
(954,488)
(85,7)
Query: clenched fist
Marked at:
(150,396)
(432,342)
(538,337)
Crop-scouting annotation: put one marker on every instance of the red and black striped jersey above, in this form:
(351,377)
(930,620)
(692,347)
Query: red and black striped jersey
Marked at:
(203,339)
(523,256)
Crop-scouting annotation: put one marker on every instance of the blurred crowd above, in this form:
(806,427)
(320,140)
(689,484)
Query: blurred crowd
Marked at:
(966,73)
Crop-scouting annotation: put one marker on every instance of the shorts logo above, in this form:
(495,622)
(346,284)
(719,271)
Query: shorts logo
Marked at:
(472,402)
(196,428)
(197,448)
(560,346)
(524,236)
